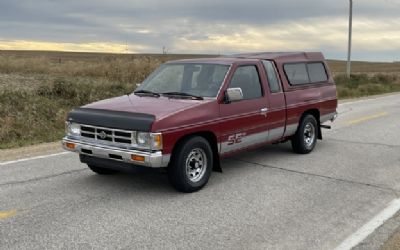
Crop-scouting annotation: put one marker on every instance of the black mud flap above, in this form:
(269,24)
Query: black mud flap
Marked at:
(217,167)
(319,132)
(217,164)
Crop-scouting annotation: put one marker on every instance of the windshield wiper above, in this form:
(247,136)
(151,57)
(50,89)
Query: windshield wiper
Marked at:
(182,94)
(146,92)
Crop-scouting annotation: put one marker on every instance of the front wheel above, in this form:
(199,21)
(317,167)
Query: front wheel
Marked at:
(191,165)
(306,135)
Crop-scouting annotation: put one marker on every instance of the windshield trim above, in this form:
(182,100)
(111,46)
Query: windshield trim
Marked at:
(223,81)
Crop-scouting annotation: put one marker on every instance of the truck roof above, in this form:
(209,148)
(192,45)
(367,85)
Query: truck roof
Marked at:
(275,56)
(282,55)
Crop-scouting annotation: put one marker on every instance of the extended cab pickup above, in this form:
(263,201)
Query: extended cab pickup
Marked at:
(190,113)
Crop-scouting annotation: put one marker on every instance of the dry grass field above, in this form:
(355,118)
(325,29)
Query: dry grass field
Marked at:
(339,67)
(38,88)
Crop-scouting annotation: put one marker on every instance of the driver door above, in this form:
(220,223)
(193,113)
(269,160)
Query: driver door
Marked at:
(244,123)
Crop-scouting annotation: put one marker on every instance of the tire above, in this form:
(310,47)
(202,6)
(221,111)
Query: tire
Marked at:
(306,135)
(191,165)
(102,171)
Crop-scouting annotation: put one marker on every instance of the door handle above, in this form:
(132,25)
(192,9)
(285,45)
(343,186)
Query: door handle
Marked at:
(264,111)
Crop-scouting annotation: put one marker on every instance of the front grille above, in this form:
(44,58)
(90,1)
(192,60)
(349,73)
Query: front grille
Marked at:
(106,135)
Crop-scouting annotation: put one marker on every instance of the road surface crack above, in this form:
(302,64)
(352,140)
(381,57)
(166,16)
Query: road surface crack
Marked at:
(40,178)
(394,191)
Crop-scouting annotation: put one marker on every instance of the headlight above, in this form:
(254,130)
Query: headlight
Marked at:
(152,141)
(73,129)
(143,139)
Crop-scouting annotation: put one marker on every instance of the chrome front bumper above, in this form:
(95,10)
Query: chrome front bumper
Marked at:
(151,159)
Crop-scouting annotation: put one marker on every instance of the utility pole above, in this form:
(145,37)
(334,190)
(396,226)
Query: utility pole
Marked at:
(348,71)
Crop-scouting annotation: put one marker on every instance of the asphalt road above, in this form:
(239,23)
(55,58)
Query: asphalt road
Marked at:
(270,198)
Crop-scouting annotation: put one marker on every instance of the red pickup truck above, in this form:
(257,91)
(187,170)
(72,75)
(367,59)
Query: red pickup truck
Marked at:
(190,113)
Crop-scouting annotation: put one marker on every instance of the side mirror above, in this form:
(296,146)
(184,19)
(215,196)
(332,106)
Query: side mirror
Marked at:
(233,95)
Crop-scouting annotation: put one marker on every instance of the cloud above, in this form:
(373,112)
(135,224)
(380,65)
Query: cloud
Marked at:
(307,34)
(206,26)
(78,47)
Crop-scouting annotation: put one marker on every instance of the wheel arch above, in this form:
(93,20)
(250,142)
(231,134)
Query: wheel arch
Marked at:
(211,139)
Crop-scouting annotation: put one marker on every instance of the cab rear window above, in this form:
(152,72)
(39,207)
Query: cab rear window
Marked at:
(305,73)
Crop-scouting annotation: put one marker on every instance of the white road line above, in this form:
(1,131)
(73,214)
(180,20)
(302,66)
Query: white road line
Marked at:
(33,158)
(362,233)
(366,99)
(358,101)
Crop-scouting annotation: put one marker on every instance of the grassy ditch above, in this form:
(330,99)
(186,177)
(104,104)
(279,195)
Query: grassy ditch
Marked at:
(34,116)
(359,85)
(38,89)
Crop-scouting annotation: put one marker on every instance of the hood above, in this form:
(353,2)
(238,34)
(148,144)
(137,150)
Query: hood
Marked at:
(160,107)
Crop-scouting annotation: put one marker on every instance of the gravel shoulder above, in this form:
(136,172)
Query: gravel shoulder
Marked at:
(30,151)
(394,242)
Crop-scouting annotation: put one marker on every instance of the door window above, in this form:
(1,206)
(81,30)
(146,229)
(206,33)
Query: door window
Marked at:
(247,78)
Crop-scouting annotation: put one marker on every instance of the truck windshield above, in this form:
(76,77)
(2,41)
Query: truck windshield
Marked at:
(197,79)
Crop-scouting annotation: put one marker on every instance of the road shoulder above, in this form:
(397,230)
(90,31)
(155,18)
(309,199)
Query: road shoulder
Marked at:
(386,237)
(30,151)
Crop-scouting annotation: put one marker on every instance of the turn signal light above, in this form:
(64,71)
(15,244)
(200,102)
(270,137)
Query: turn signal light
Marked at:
(137,158)
(70,145)
(157,141)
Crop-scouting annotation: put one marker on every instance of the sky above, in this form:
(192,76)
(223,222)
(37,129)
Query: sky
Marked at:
(203,26)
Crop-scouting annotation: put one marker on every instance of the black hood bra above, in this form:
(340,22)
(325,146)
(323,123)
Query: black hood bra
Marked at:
(112,119)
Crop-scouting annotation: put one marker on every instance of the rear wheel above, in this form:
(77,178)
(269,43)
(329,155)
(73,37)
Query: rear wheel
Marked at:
(306,135)
(191,165)
(102,171)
